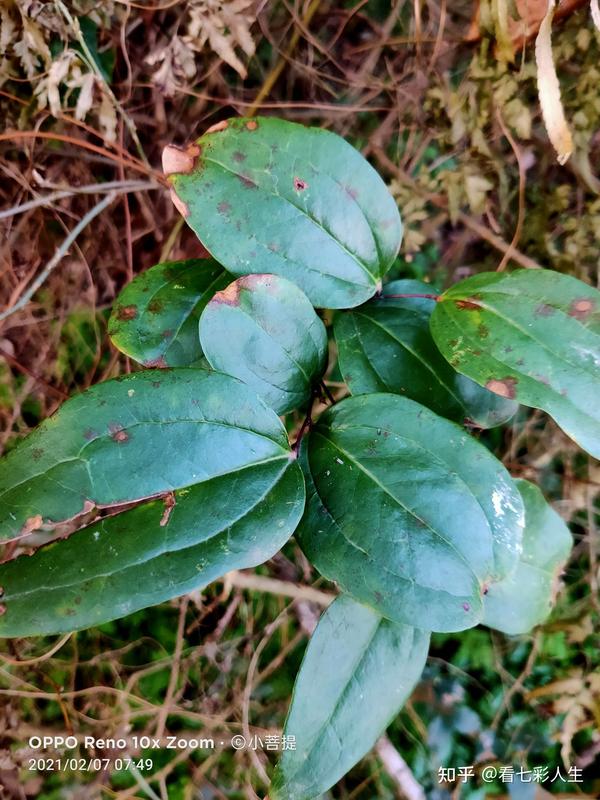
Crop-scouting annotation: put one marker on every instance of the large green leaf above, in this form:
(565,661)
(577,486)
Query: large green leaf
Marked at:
(525,597)
(270,196)
(152,552)
(386,346)
(532,336)
(155,317)
(358,671)
(263,330)
(135,437)
(407,512)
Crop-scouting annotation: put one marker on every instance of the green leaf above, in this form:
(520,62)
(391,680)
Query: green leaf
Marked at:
(155,317)
(358,671)
(152,553)
(263,330)
(386,346)
(270,196)
(530,335)
(135,437)
(525,597)
(407,512)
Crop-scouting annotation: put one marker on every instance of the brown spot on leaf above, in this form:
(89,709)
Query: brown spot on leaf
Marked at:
(156,306)
(239,157)
(505,387)
(167,333)
(273,247)
(582,308)
(118,433)
(468,305)
(127,312)
(179,160)
(228,296)
(159,363)
(224,207)
(466,607)
(37,453)
(300,185)
(544,310)
(247,181)
(252,125)
(170,503)
(89,434)
(483,331)
(77,600)
(2,610)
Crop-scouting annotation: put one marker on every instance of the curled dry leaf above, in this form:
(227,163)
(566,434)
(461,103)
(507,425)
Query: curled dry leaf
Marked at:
(595,9)
(549,90)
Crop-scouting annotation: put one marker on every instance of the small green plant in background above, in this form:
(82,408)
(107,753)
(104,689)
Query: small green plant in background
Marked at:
(388,492)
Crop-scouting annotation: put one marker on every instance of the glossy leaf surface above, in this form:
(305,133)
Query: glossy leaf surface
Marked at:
(263,330)
(385,345)
(135,437)
(525,597)
(269,196)
(153,552)
(407,512)
(530,335)
(155,317)
(358,671)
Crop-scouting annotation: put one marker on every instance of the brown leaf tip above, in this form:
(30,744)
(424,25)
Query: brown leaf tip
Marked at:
(218,126)
(505,387)
(228,296)
(581,308)
(178,160)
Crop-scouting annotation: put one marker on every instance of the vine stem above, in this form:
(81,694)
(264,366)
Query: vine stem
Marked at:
(327,392)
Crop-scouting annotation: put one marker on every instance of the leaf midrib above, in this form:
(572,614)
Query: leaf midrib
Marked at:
(359,261)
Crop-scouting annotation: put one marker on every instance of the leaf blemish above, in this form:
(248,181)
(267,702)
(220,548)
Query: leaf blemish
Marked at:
(300,185)
(466,607)
(247,181)
(252,125)
(127,312)
(155,307)
(544,310)
(582,308)
(224,207)
(469,304)
(37,453)
(239,157)
(505,387)
(2,609)
(118,433)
